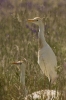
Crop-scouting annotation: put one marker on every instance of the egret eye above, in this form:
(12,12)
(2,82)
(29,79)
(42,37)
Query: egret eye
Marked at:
(37,20)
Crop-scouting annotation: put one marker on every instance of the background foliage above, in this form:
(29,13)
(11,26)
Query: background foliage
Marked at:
(18,40)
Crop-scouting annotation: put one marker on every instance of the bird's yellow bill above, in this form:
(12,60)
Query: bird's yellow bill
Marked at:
(14,63)
(30,20)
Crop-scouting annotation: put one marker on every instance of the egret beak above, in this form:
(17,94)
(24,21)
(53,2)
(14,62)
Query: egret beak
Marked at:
(14,63)
(30,20)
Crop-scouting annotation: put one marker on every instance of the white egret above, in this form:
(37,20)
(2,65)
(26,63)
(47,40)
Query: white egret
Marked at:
(22,73)
(46,57)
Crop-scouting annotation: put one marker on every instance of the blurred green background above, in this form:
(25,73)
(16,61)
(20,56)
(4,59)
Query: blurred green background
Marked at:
(19,40)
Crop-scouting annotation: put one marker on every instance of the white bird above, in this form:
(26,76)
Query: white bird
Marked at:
(46,57)
(22,73)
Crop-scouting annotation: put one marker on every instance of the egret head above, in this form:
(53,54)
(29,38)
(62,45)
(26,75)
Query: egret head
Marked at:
(36,20)
(19,62)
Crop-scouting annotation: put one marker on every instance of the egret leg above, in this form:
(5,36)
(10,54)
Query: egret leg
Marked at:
(56,89)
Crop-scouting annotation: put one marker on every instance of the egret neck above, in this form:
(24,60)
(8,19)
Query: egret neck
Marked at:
(41,37)
(22,74)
